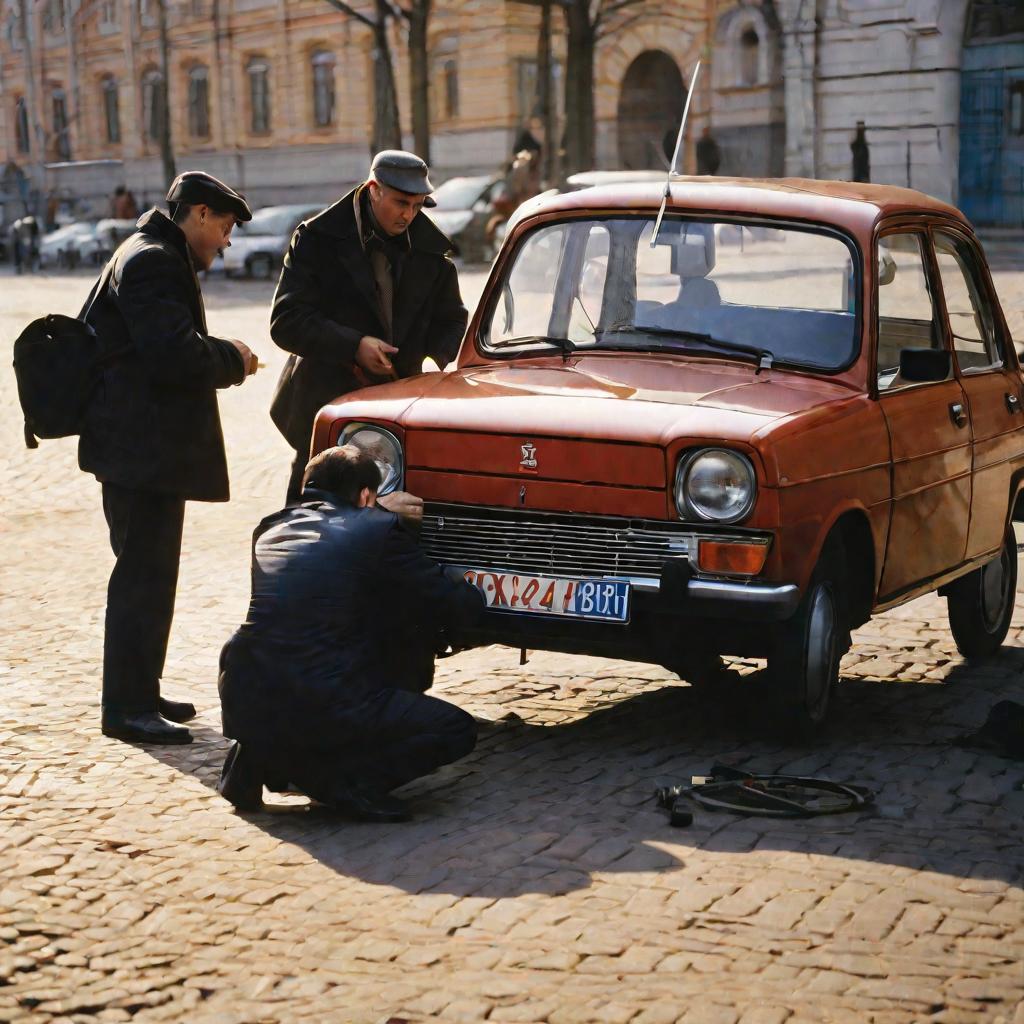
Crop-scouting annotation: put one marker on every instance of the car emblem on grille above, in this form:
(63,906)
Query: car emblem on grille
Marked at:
(529,459)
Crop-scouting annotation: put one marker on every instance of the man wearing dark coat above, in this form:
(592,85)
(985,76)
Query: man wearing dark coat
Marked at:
(314,685)
(152,436)
(367,291)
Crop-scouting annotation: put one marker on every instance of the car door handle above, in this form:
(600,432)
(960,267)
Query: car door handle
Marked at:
(957,414)
(1012,402)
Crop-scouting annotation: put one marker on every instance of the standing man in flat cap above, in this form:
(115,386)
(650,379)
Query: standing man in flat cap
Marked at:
(367,291)
(152,436)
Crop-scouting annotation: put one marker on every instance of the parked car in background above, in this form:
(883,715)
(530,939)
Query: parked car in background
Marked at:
(68,246)
(666,447)
(258,247)
(465,206)
(109,234)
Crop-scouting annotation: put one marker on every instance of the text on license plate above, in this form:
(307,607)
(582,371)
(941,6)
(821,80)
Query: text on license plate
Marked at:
(545,595)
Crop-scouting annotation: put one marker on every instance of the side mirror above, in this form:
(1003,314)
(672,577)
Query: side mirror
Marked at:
(920,365)
(886,268)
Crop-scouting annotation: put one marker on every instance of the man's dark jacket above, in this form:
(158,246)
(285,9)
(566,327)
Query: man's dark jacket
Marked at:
(340,597)
(153,423)
(326,301)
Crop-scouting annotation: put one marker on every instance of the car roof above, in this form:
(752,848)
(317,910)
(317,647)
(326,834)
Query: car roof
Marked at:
(852,205)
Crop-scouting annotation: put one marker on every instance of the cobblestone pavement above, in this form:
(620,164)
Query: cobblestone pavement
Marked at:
(539,883)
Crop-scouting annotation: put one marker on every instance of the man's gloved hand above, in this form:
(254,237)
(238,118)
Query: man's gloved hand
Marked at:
(407,507)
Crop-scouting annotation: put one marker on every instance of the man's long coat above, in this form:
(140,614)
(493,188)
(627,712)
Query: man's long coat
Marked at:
(326,301)
(153,422)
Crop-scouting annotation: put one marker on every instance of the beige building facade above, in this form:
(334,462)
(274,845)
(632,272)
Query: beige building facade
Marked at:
(277,96)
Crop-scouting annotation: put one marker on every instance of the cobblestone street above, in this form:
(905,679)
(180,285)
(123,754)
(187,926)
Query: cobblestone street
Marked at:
(539,882)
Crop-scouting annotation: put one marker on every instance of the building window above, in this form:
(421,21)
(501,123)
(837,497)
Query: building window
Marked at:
(450,74)
(527,96)
(750,56)
(53,16)
(21,122)
(14,39)
(109,14)
(153,105)
(199,103)
(61,136)
(111,108)
(323,88)
(1016,107)
(258,71)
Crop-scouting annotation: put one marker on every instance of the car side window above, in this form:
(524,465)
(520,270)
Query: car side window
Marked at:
(970,314)
(906,309)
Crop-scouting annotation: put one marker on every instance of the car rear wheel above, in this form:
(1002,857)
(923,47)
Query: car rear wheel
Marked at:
(261,267)
(980,604)
(803,667)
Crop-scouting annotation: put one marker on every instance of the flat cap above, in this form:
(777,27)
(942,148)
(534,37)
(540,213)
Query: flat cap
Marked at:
(198,187)
(404,171)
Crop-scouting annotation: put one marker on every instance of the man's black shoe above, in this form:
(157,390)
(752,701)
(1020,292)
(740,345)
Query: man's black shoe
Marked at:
(364,804)
(241,780)
(142,727)
(176,710)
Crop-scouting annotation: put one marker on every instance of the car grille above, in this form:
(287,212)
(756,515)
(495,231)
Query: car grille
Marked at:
(552,544)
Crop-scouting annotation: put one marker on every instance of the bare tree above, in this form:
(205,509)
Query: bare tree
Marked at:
(387,132)
(417,16)
(163,96)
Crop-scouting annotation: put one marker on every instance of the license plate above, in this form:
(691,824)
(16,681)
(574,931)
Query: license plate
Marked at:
(607,600)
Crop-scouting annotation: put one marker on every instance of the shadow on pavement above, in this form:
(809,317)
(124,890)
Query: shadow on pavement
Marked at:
(540,808)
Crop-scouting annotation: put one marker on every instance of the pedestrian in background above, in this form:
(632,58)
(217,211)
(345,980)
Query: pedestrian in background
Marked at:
(123,205)
(314,685)
(861,154)
(367,291)
(152,436)
(709,156)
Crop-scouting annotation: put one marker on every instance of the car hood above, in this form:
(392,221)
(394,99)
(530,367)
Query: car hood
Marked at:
(656,400)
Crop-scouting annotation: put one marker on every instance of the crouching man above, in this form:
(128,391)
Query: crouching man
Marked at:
(317,687)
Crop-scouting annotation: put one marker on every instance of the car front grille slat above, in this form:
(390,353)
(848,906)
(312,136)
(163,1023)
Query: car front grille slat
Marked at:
(564,546)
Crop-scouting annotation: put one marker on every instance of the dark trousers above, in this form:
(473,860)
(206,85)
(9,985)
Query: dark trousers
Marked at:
(397,736)
(145,535)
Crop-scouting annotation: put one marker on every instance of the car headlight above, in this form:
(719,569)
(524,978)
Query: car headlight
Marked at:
(715,484)
(383,447)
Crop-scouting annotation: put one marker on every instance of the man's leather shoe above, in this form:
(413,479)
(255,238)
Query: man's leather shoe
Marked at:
(142,727)
(364,804)
(176,710)
(241,780)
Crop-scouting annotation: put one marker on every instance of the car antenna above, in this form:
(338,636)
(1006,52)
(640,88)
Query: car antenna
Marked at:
(675,157)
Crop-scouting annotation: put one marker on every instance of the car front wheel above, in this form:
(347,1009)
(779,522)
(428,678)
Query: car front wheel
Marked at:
(261,267)
(980,604)
(803,667)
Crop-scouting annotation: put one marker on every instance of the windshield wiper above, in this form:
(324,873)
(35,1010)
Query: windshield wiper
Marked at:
(566,346)
(763,356)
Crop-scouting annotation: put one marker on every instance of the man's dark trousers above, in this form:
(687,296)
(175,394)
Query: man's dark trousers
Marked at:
(145,535)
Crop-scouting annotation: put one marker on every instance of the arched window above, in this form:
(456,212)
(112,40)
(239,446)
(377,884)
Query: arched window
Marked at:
(258,71)
(111,108)
(199,102)
(153,104)
(750,57)
(322,62)
(21,121)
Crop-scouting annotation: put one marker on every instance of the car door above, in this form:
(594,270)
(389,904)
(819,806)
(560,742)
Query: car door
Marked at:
(929,426)
(991,382)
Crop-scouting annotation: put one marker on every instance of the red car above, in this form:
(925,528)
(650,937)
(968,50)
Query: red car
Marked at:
(794,404)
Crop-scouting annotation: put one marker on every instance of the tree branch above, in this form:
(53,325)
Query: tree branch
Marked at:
(609,10)
(353,13)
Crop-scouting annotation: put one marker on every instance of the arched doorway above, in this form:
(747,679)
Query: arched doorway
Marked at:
(992,114)
(650,106)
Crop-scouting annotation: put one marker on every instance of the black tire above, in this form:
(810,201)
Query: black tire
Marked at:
(261,267)
(803,666)
(980,604)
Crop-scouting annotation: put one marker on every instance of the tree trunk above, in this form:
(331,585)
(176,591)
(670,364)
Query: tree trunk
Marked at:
(37,133)
(546,110)
(579,88)
(387,132)
(419,77)
(164,96)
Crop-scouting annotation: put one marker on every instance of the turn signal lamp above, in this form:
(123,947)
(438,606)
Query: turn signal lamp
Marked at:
(735,558)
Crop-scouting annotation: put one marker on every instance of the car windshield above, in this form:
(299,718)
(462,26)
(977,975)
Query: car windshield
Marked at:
(275,220)
(740,290)
(459,193)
